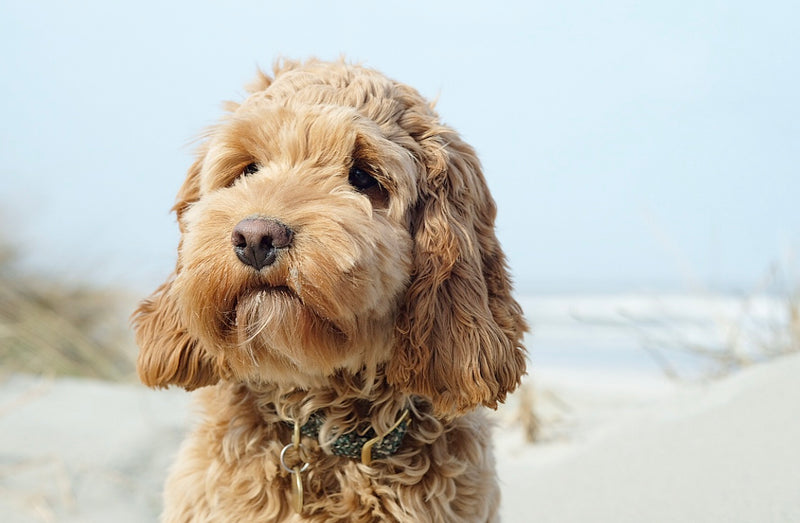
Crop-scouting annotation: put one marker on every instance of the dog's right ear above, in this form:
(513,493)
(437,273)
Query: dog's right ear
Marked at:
(168,354)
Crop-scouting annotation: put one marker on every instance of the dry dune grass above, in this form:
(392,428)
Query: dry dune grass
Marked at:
(52,327)
(763,325)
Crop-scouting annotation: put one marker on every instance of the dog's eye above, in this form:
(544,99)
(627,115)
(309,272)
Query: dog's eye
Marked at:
(361,179)
(250,168)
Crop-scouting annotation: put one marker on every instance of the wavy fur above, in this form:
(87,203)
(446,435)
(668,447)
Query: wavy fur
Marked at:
(392,297)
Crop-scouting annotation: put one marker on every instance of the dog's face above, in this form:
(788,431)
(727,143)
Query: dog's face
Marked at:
(322,197)
(332,224)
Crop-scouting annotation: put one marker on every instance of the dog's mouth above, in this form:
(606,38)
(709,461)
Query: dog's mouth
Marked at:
(255,297)
(275,290)
(274,307)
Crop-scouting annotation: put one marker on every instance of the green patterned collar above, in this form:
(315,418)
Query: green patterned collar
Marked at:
(366,446)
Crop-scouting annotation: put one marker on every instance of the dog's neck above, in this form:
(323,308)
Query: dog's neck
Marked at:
(343,417)
(364,443)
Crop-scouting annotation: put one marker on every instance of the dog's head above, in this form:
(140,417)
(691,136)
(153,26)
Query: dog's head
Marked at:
(332,224)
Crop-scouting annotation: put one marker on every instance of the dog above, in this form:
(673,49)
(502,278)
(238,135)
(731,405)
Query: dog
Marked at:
(342,303)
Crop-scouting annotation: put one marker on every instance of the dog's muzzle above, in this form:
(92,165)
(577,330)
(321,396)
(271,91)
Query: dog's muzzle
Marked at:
(256,241)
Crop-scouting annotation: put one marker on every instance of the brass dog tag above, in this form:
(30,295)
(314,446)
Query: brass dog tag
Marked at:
(297,491)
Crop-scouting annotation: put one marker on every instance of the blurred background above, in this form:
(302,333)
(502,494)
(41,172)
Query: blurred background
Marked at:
(643,156)
(631,147)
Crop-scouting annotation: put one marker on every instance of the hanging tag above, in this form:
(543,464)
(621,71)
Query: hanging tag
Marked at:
(297,481)
(297,491)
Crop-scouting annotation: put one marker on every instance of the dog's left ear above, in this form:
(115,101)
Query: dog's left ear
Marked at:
(459,333)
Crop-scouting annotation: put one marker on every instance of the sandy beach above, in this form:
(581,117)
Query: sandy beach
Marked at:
(615,450)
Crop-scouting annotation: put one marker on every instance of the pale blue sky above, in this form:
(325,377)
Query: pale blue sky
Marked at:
(630,145)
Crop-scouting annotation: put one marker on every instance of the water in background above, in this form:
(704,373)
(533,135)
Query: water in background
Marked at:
(682,336)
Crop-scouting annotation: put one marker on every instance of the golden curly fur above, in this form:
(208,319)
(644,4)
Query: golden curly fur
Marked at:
(392,296)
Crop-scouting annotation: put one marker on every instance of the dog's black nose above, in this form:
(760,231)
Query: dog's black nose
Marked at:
(256,241)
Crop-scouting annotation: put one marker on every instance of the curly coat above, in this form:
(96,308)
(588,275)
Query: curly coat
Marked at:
(391,296)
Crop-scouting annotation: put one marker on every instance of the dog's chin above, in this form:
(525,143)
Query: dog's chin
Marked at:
(281,339)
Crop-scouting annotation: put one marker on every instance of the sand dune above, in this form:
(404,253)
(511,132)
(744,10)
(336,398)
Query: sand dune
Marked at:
(78,451)
(726,452)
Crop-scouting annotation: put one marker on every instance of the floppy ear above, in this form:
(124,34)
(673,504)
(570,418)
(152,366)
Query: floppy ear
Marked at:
(459,335)
(168,355)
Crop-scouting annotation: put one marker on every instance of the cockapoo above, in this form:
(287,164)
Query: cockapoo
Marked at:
(342,303)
